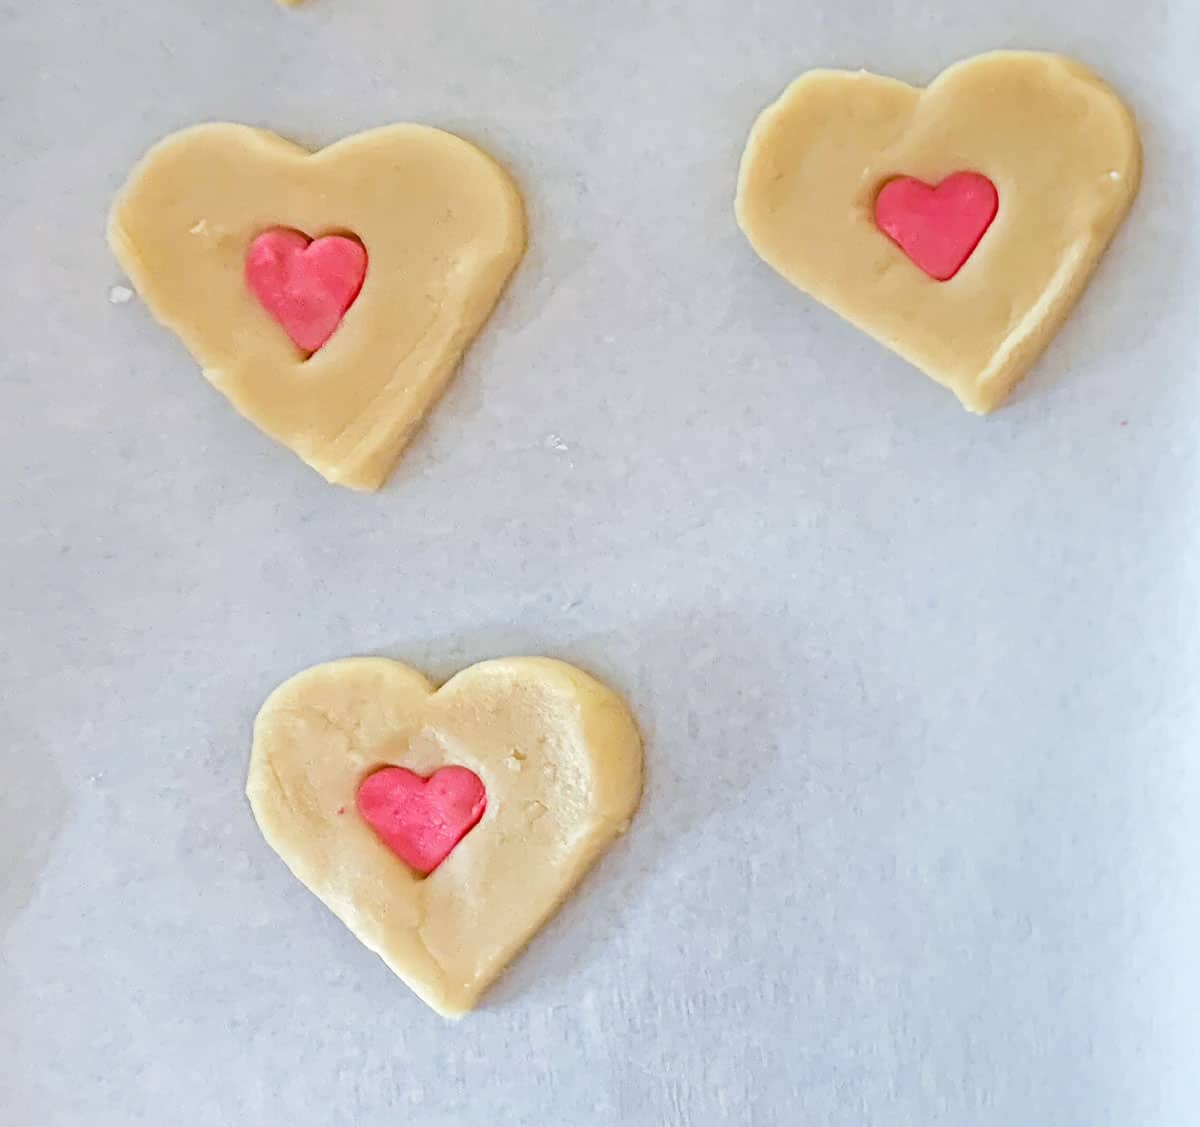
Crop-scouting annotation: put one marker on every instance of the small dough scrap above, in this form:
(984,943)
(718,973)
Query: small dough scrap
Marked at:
(1060,147)
(558,753)
(443,226)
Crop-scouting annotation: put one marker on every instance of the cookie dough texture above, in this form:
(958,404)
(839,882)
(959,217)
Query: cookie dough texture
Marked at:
(443,226)
(559,755)
(1058,144)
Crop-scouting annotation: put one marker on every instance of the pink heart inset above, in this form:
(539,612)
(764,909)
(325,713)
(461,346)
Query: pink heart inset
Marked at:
(422,819)
(305,284)
(937,227)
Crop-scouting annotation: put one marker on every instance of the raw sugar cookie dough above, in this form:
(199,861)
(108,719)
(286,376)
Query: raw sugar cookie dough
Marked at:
(443,826)
(329,295)
(957,224)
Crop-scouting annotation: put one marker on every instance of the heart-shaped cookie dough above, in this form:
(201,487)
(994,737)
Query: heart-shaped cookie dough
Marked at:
(443,228)
(422,818)
(305,284)
(1055,141)
(560,760)
(937,225)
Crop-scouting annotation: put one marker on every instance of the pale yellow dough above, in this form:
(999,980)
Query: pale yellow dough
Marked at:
(443,226)
(1058,144)
(559,755)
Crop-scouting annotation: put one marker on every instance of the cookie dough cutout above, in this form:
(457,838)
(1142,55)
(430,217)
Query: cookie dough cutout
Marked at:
(306,284)
(937,225)
(558,757)
(1059,147)
(422,819)
(442,227)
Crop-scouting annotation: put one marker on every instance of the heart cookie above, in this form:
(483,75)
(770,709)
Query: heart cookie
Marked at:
(439,223)
(844,156)
(937,226)
(341,770)
(306,284)
(422,819)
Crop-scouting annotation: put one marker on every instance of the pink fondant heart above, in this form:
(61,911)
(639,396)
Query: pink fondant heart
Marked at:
(422,819)
(305,284)
(938,228)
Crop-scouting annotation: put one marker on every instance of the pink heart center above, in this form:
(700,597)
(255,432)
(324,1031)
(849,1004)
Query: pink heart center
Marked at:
(305,284)
(422,819)
(938,228)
